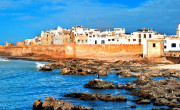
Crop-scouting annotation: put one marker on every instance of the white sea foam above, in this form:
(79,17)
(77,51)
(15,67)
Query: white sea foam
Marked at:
(39,65)
(2,59)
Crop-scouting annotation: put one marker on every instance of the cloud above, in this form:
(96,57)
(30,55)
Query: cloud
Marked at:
(162,15)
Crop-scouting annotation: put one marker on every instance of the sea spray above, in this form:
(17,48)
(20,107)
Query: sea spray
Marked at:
(2,59)
(39,65)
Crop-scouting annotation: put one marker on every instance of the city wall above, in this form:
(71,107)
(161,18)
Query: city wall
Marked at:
(73,50)
(107,51)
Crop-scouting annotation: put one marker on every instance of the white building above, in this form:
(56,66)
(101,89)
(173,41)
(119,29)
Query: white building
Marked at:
(172,44)
(58,36)
(144,34)
(28,41)
(106,37)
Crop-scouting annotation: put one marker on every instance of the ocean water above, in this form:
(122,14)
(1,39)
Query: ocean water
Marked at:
(21,84)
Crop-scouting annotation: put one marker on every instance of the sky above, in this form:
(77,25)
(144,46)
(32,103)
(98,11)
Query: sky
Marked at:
(25,19)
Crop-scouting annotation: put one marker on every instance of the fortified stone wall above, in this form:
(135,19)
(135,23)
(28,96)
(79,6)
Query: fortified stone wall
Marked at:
(107,51)
(72,50)
(55,51)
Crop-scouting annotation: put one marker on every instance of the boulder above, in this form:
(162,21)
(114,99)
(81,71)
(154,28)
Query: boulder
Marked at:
(161,101)
(142,101)
(103,72)
(54,104)
(99,84)
(65,71)
(119,86)
(46,68)
(143,80)
(103,97)
(37,105)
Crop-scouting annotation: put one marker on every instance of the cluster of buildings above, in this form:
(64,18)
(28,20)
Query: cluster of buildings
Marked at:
(57,36)
(80,35)
(150,39)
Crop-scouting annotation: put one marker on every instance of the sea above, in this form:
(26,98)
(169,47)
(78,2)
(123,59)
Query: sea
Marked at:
(21,83)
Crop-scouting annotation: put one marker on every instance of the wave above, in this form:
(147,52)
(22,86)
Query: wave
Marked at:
(2,59)
(39,65)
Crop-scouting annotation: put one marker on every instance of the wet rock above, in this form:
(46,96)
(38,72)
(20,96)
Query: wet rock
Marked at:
(163,92)
(65,71)
(119,86)
(142,101)
(133,106)
(103,97)
(103,72)
(54,104)
(37,105)
(130,86)
(143,80)
(82,108)
(99,84)
(160,109)
(46,68)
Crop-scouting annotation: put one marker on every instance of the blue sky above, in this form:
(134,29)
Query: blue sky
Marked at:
(23,19)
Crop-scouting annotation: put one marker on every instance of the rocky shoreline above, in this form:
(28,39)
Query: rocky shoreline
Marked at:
(103,68)
(102,97)
(163,92)
(50,103)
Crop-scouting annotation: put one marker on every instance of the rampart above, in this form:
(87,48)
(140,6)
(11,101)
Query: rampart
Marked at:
(72,50)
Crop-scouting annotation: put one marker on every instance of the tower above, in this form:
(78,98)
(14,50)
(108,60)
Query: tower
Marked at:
(178,31)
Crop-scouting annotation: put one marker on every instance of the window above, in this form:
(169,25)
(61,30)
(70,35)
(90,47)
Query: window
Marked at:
(144,35)
(109,39)
(90,36)
(112,39)
(149,35)
(134,39)
(173,45)
(129,40)
(86,41)
(165,47)
(82,41)
(78,41)
(74,34)
(86,34)
(95,41)
(154,45)
(165,41)
(102,41)
(139,36)
(93,35)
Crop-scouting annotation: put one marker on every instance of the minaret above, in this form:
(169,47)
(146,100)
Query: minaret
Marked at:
(178,31)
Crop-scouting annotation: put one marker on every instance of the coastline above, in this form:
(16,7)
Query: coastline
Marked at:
(133,68)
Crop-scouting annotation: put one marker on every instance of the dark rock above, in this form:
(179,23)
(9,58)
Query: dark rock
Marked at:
(99,84)
(54,104)
(46,68)
(103,97)
(37,105)
(82,108)
(142,101)
(119,86)
(143,80)
(133,106)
